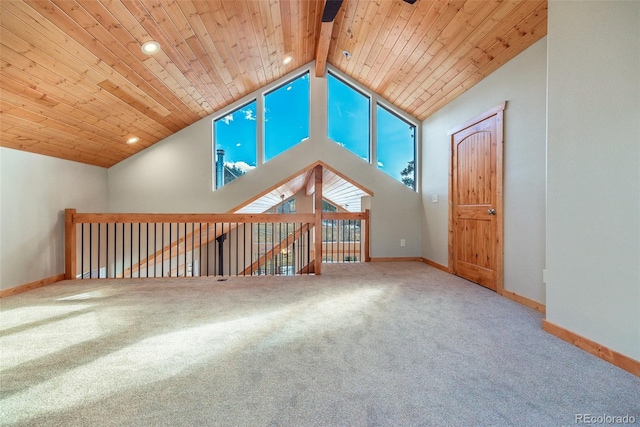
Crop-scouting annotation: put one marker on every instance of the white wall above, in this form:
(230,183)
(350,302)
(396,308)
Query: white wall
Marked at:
(35,190)
(175,175)
(522,83)
(593,184)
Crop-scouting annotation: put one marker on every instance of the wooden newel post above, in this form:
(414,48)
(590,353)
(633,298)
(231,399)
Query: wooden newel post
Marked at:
(367,246)
(318,213)
(69,244)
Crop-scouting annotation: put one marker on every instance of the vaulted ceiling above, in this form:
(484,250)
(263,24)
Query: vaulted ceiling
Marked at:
(75,84)
(337,189)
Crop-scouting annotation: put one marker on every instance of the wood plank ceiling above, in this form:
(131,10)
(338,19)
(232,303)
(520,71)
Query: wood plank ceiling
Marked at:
(337,189)
(74,83)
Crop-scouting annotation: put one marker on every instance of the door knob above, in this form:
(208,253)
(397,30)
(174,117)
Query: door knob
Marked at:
(491,211)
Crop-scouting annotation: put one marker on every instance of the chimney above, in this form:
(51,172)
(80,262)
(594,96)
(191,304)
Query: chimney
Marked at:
(219,168)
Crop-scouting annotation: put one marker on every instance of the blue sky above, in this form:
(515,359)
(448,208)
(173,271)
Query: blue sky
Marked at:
(348,117)
(396,143)
(287,123)
(236,135)
(286,116)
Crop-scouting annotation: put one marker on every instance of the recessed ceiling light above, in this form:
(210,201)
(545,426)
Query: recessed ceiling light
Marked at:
(150,47)
(133,140)
(287,60)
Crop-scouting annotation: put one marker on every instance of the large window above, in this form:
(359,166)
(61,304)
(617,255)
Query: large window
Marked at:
(349,117)
(235,144)
(396,146)
(286,116)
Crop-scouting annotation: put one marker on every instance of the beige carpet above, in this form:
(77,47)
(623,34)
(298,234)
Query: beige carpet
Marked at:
(382,344)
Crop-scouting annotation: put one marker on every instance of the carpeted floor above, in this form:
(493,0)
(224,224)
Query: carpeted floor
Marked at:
(379,344)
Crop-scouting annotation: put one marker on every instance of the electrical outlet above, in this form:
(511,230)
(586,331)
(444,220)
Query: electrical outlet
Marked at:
(403,242)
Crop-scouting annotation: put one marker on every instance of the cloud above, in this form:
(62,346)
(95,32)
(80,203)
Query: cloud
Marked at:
(227,119)
(244,167)
(248,115)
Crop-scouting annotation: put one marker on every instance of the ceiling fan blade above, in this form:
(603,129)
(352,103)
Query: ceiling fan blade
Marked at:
(331,8)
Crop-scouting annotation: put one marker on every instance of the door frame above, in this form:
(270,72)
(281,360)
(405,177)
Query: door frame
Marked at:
(497,111)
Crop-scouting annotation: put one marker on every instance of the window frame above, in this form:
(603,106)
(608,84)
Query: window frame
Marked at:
(370,97)
(318,129)
(394,112)
(269,91)
(231,110)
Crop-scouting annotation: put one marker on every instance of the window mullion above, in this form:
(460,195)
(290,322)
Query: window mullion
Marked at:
(373,132)
(260,118)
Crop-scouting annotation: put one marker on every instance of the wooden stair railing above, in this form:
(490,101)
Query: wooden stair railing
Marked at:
(199,230)
(194,237)
(310,268)
(292,237)
(206,235)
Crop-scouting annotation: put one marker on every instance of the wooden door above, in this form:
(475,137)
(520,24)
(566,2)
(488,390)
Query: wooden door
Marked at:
(476,214)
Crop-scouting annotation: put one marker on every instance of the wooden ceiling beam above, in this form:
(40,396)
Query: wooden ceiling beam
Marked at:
(323,43)
(322,51)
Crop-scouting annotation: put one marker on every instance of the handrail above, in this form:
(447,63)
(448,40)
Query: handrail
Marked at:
(120,218)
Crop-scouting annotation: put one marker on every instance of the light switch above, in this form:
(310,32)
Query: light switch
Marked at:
(434,198)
